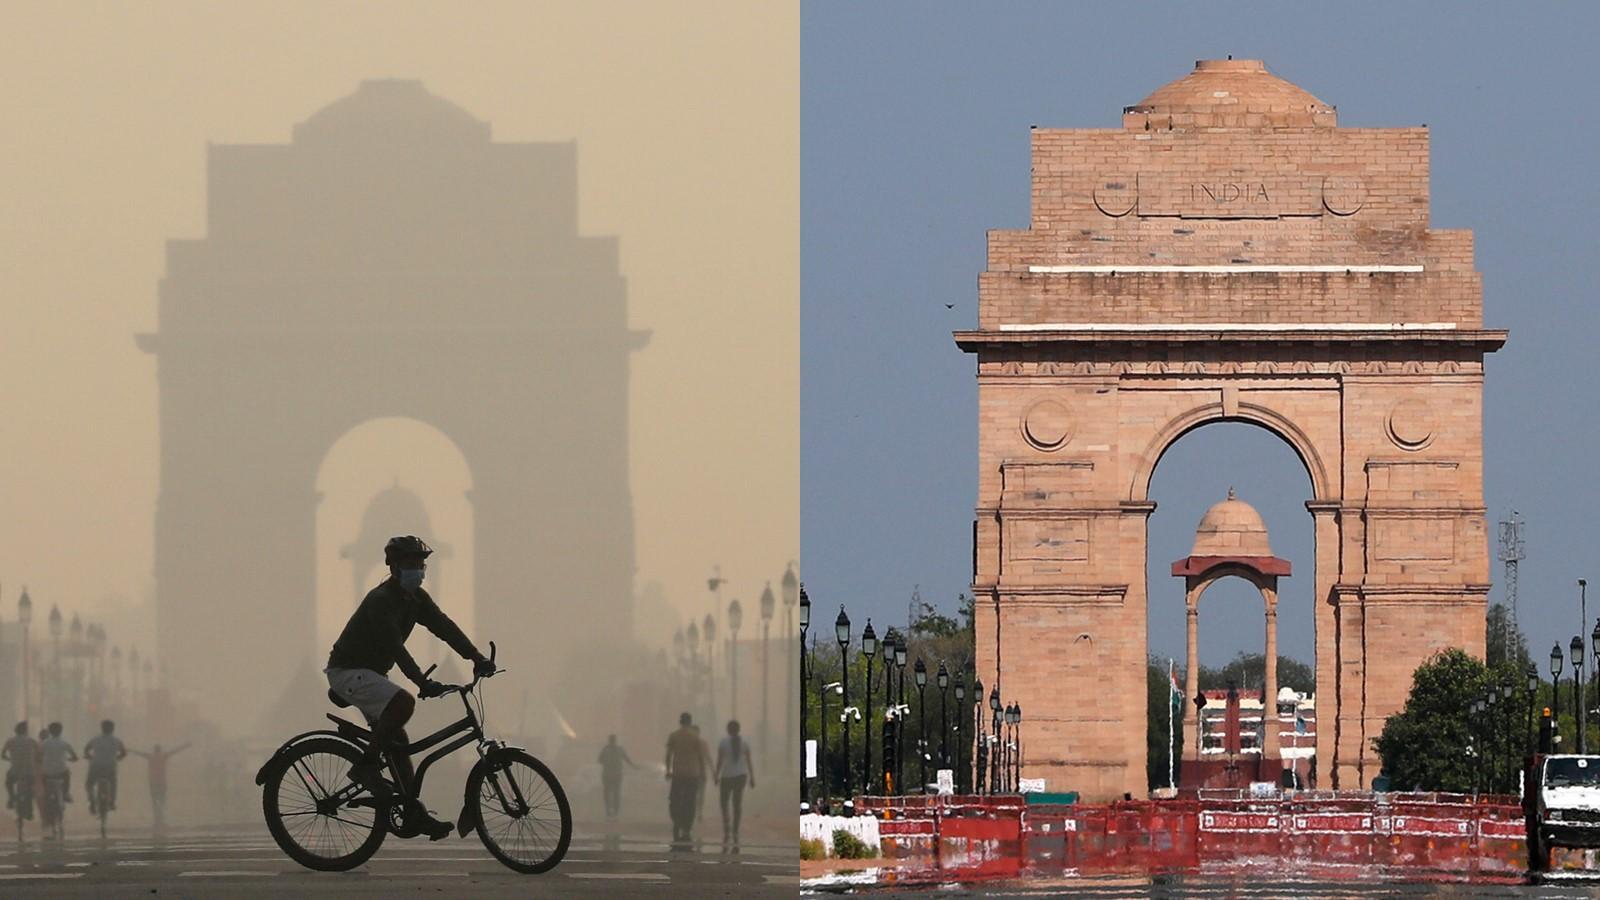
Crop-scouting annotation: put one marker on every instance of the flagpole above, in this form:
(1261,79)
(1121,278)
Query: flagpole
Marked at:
(1171,781)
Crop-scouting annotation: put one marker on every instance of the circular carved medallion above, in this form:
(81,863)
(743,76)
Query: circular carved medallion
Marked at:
(1412,424)
(1116,195)
(1343,195)
(1047,425)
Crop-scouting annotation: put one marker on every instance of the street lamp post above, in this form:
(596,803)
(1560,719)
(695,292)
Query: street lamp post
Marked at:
(900,744)
(920,676)
(55,664)
(1508,719)
(994,757)
(822,753)
(1491,705)
(891,721)
(943,681)
(961,693)
(709,627)
(791,588)
(1533,690)
(692,641)
(1594,643)
(1475,714)
(1016,731)
(1575,649)
(841,629)
(980,747)
(24,617)
(714,585)
(805,623)
(768,605)
(735,617)
(869,649)
(999,761)
(1555,684)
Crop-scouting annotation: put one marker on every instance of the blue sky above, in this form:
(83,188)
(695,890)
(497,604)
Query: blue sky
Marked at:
(914,137)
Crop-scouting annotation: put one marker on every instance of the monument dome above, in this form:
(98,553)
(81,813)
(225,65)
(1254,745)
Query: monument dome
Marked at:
(1228,93)
(1231,528)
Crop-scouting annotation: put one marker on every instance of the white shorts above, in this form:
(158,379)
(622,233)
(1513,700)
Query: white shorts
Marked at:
(365,689)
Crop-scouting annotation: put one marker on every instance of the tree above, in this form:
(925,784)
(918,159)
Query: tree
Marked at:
(1250,670)
(1504,641)
(1427,745)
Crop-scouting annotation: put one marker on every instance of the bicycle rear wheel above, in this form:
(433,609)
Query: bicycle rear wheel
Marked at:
(313,829)
(522,812)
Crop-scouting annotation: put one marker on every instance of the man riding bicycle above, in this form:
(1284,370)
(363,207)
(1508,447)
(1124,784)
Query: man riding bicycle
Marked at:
(103,752)
(23,753)
(373,641)
(54,754)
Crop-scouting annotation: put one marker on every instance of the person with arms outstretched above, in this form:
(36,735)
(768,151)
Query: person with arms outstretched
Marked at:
(157,760)
(103,752)
(372,643)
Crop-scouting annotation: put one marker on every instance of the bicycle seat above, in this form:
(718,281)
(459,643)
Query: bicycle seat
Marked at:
(336,700)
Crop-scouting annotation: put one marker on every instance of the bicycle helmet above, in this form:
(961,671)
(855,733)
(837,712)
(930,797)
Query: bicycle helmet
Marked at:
(403,546)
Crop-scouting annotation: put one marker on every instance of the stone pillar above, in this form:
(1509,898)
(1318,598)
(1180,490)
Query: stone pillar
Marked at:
(1269,690)
(1191,673)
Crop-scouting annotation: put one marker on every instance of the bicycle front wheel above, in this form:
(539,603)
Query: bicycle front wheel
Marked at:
(522,812)
(307,801)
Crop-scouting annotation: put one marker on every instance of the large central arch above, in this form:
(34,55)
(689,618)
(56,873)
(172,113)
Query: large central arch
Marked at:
(1228,255)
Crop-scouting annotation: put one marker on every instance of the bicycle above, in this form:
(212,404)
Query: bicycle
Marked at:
(22,800)
(102,802)
(50,808)
(325,821)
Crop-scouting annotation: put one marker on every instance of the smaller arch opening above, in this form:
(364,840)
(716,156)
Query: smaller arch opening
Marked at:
(383,477)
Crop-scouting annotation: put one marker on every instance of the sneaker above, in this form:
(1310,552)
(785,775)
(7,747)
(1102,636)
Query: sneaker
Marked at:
(434,828)
(370,776)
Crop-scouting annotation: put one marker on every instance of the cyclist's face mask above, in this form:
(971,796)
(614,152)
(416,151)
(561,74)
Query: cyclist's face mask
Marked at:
(411,579)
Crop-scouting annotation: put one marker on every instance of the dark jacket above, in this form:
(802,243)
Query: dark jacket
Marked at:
(375,637)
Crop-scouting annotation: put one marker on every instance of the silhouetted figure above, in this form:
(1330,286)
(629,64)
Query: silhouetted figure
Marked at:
(53,756)
(612,756)
(103,752)
(372,643)
(23,753)
(733,771)
(686,771)
(157,759)
(700,789)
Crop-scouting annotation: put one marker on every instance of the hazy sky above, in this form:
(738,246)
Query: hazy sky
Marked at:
(915,141)
(686,123)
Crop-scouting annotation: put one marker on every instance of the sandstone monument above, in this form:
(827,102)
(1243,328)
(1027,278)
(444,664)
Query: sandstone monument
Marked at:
(1228,254)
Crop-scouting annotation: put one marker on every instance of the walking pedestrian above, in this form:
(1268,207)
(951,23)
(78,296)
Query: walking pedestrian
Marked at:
(612,756)
(700,789)
(733,770)
(686,768)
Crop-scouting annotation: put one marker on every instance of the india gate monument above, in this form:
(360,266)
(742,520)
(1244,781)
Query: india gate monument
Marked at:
(1228,254)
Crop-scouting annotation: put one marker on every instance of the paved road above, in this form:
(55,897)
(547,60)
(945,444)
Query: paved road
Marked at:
(244,862)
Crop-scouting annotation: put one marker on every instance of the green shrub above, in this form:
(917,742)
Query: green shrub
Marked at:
(812,849)
(848,846)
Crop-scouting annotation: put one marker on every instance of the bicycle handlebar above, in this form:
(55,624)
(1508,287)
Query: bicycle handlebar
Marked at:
(469,686)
